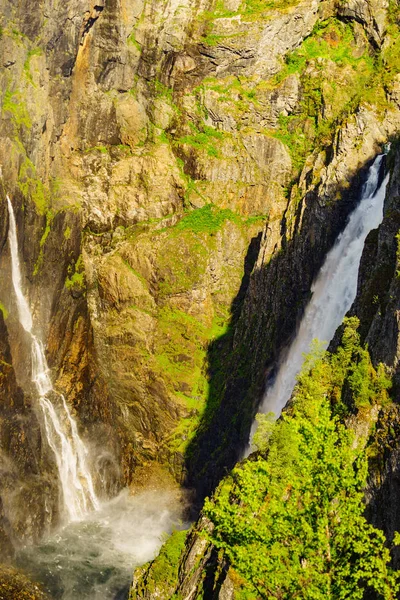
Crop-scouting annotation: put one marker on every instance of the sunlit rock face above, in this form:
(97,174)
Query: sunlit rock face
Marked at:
(148,149)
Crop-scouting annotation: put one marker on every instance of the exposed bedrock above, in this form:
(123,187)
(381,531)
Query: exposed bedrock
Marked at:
(176,183)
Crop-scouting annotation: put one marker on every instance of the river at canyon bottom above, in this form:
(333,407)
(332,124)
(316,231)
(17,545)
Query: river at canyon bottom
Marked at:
(93,559)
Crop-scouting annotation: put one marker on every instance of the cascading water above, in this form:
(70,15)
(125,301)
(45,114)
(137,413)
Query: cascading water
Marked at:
(92,557)
(333,290)
(60,428)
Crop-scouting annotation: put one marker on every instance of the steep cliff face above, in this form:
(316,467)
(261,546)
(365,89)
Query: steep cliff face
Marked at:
(292,248)
(377,306)
(198,568)
(291,253)
(149,148)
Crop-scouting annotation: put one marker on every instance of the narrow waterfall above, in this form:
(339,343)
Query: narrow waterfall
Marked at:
(59,426)
(333,290)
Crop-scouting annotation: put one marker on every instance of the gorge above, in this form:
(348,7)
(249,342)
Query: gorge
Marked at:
(180,216)
(333,291)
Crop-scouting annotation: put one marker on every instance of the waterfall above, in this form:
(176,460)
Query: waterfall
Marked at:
(59,426)
(333,291)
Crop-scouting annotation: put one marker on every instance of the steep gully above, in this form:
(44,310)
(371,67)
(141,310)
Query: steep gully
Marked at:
(333,291)
(96,529)
(91,528)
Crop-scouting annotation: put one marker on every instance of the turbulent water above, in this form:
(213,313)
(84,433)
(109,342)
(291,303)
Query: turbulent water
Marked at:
(59,426)
(333,290)
(94,559)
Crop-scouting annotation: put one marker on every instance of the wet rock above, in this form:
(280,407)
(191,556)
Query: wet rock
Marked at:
(13,585)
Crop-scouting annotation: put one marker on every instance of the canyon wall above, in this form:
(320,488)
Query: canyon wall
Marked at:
(178,172)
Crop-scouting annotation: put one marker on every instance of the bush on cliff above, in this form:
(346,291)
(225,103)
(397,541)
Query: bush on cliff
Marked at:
(291,521)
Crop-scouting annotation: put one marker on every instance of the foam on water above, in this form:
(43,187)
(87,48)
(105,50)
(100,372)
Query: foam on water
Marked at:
(94,558)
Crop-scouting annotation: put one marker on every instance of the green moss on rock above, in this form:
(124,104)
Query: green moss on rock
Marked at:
(76,276)
(162,576)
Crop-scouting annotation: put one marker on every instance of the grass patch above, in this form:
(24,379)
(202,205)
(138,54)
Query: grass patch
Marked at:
(203,140)
(3,310)
(13,104)
(76,275)
(332,75)
(101,149)
(27,65)
(164,570)
(208,219)
(31,186)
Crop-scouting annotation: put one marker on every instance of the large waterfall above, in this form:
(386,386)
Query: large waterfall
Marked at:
(333,290)
(60,428)
(92,556)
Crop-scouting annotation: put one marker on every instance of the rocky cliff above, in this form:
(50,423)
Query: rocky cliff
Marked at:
(157,153)
(291,252)
(200,569)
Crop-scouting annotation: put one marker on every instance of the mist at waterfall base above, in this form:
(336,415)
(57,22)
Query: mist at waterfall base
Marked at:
(93,555)
(93,559)
(333,292)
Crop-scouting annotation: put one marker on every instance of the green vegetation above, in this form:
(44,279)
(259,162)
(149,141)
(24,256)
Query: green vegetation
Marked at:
(180,352)
(337,69)
(184,336)
(132,40)
(39,262)
(101,149)
(183,264)
(335,80)
(162,91)
(331,40)
(166,569)
(67,233)
(76,275)
(390,65)
(291,520)
(27,64)
(31,186)
(249,10)
(208,219)
(203,140)
(13,103)
(164,572)
(3,310)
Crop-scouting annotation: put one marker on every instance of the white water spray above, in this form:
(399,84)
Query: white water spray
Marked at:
(333,291)
(60,428)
